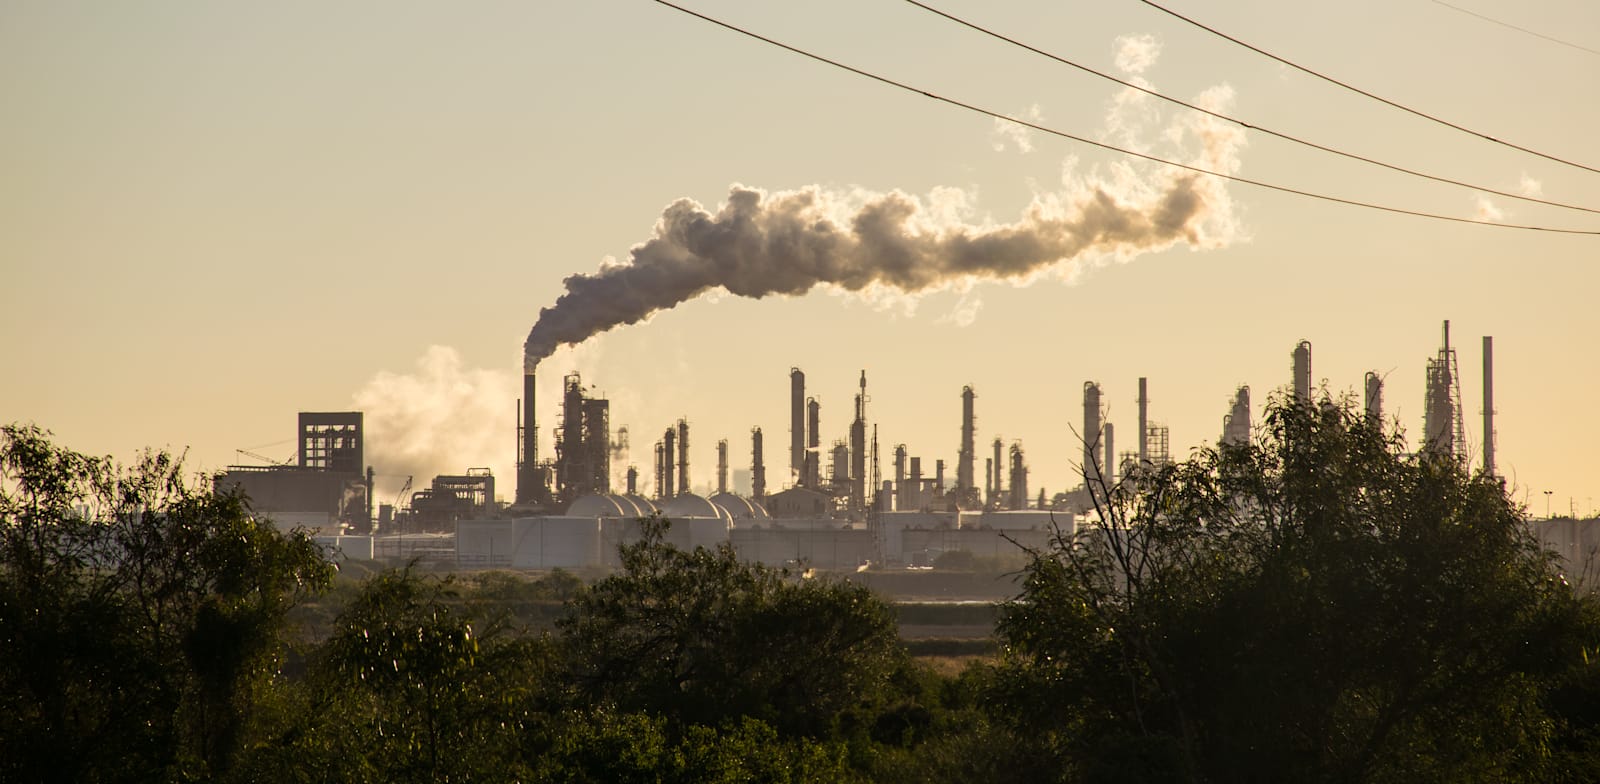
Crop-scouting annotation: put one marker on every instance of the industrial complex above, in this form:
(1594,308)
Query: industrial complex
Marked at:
(846,514)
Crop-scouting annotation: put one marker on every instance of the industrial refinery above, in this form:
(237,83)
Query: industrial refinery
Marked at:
(851,495)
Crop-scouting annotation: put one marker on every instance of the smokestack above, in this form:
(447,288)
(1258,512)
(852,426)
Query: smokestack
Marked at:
(900,476)
(915,501)
(938,479)
(1488,405)
(683,457)
(1019,478)
(1236,425)
(1144,424)
(1302,372)
(797,423)
(813,423)
(758,468)
(661,476)
(668,450)
(1111,458)
(527,445)
(968,433)
(633,481)
(1092,470)
(988,481)
(1373,385)
(858,451)
(999,468)
(722,466)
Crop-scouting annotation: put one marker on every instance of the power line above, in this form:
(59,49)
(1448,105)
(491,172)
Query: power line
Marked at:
(1242,123)
(1359,91)
(1533,33)
(1102,145)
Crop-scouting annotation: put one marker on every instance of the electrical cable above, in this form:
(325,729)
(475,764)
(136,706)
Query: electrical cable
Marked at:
(1242,123)
(1380,99)
(1111,147)
(1533,33)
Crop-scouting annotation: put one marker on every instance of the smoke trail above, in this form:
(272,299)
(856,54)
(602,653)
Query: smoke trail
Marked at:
(759,244)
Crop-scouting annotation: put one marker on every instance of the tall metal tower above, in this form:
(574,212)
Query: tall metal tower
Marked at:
(1443,430)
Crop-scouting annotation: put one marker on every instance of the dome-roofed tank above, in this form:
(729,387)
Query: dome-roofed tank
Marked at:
(646,506)
(597,506)
(737,506)
(628,507)
(691,505)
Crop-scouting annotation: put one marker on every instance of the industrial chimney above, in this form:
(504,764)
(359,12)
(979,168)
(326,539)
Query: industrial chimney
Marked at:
(1302,372)
(858,451)
(722,466)
(1111,457)
(1488,405)
(900,476)
(1092,470)
(527,445)
(668,449)
(964,484)
(797,423)
(1144,423)
(999,469)
(758,467)
(683,457)
(1374,398)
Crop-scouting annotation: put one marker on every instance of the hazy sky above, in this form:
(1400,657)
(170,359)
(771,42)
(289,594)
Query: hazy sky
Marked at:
(216,214)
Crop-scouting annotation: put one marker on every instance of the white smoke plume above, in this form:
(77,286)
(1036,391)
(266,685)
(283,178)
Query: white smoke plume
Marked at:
(761,243)
(1530,187)
(1137,53)
(442,418)
(1486,210)
(1009,134)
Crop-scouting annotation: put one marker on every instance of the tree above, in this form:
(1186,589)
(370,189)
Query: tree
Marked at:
(1319,605)
(411,686)
(701,638)
(140,614)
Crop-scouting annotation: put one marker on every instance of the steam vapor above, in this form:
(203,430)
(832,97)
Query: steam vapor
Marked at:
(758,244)
(442,418)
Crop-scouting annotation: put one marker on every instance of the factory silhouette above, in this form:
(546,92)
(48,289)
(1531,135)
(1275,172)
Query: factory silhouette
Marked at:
(841,504)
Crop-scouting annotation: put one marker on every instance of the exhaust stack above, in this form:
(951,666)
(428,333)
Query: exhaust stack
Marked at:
(1488,405)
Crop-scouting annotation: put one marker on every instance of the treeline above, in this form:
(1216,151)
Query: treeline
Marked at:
(1318,605)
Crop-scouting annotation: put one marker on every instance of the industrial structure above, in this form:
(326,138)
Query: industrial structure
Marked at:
(328,487)
(1443,433)
(566,512)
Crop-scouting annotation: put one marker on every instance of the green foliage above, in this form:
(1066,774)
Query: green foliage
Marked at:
(420,689)
(701,638)
(1317,606)
(140,615)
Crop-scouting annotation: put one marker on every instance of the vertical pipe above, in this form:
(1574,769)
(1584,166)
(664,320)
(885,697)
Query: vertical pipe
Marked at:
(722,466)
(758,467)
(1374,399)
(813,423)
(683,457)
(900,476)
(797,422)
(528,448)
(968,432)
(999,469)
(1144,423)
(668,450)
(1488,405)
(1093,472)
(1111,458)
(1302,372)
